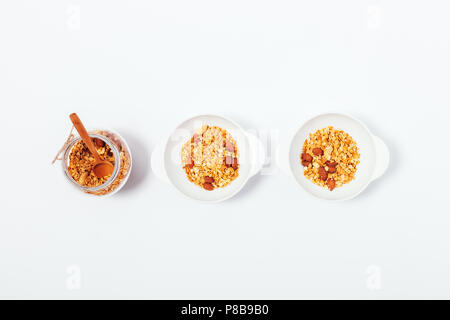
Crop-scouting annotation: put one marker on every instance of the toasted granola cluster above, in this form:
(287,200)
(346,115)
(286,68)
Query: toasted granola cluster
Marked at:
(330,158)
(210,158)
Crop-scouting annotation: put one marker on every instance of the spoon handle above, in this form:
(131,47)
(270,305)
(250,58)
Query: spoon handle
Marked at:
(84,135)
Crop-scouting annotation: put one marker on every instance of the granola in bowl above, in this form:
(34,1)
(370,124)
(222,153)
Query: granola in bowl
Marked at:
(81,163)
(210,158)
(78,163)
(330,158)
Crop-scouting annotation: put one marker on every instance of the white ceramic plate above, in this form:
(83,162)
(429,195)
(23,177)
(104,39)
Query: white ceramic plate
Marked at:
(166,158)
(374,156)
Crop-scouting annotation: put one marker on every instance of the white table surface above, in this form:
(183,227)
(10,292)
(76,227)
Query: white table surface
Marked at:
(142,67)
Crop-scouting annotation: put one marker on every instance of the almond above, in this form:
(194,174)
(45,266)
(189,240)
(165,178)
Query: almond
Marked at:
(208,186)
(209,179)
(331,164)
(332,169)
(99,143)
(235,164)
(196,138)
(228,161)
(190,163)
(305,163)
(307,157)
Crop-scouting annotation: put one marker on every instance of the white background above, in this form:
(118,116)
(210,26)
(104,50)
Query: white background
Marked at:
(142,67)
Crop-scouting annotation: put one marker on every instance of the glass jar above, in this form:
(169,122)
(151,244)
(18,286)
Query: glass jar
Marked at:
(122,168)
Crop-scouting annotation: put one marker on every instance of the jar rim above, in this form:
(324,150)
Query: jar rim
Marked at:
(117,162)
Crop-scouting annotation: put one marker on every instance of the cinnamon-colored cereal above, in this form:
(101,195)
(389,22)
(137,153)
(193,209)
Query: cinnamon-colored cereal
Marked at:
(335,158)
(81,163)
(210,158)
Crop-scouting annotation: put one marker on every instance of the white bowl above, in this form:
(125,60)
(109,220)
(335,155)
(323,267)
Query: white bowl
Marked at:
(374,156)
(166,158)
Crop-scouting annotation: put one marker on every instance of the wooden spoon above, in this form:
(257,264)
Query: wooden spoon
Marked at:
(101,168)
